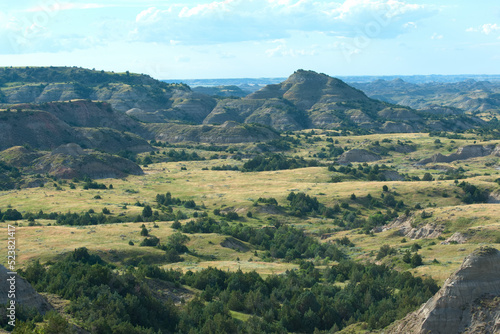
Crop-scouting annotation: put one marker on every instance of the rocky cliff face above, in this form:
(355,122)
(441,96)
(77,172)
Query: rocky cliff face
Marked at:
(89,124)
(227,133)
(467,303)
(122,92)
(40,130)
(84,113)
(25,294)
(404,225)
(70,160)
(357,155)
(305,100)
(469,95)
(312,100)
(463,153)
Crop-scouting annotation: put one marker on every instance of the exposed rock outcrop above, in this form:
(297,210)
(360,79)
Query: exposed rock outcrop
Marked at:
(467,302)
(457,237)
(494,197)
(405,228)
(26,296)
(69,149)
(91,125)
(463,153)
(85,113)
(235,244)
(69,161)
(357,155)
(309,99)
(40,130)
(229,132)
(113,141)
(304,100)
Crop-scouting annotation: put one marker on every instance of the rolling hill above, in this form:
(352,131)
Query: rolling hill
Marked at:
(474,97)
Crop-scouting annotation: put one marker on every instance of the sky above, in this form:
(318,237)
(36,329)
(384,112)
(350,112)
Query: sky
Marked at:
(173,39)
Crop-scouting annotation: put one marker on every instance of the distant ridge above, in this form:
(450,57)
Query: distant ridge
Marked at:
(308,99)
(348,79)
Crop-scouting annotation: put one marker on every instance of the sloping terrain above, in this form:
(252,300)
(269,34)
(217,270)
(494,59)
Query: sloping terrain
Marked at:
(467,302)
(50,125)
(305,100)
(311,100)
(71,161)
(123,91)
(38,129)
(475,97)
(227,133)
(26,296)
(22,167)
(225,91)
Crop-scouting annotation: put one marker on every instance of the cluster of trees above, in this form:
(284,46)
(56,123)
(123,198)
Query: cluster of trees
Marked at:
(10,214)
(104,301)
(229,215)
(275,161)
(444,134)
(9,176)
(302,204)
(414,260)
(331,151)
(182,155)
(225,167)
(87,218)
(174,246)
(303,300)
(93,185)
(278,241)
(168,200)
(171,156)
(362,172)
(267,200)
(284,143)
(472,194)
(149,215)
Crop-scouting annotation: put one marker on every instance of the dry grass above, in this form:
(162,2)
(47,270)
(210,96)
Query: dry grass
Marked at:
(238,191)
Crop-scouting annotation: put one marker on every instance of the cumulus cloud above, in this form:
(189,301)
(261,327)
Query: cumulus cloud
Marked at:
(209,22)
(54,6)
(283,50)
(18,36)
(245,20)
(489,28)
(485,29)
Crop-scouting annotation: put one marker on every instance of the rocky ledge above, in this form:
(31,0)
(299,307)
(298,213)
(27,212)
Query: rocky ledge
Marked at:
(467,302)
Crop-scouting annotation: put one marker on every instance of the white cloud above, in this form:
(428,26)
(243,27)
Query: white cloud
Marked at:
(282,50)
(485,29)
(355,10)
(207,9)
(149,15)
(410,25)
(246,20)
(489,28)
(436,36)
(55,6)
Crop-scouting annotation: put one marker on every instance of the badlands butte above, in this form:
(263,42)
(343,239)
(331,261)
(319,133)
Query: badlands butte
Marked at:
(304,206)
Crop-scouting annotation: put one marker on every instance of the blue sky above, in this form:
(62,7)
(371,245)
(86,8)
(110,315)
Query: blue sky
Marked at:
(254,38)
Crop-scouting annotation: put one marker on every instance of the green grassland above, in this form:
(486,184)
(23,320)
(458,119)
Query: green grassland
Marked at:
(238,191)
